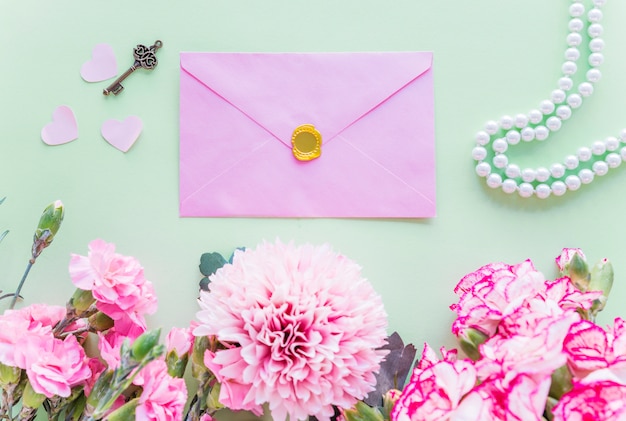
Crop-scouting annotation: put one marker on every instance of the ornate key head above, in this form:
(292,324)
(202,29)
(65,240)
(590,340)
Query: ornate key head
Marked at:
(146,56)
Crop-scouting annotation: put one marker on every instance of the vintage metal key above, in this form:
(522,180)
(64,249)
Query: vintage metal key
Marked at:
(145,57)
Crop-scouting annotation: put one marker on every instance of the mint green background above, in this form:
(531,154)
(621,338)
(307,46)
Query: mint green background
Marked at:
(492,57)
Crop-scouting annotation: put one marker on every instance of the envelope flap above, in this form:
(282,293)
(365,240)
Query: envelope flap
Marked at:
(281,91)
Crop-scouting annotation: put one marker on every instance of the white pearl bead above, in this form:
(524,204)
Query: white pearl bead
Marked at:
(513,137)
(559,188)
(482,138)
(596,59)
(622,152)
(586,175)
(526,190)
(506,122)
(494,180)
(512,171)
(585,89)
(543,191)
(547,107)
(594,75)
(599,3)
(479,153)
(509,186)
(553,123)
(598,148)
(500,161)
(574,39)
(557,96)
(542,174)
(611,143)
(575,25)
(499,145)
(557,170)
(595,30)
(576,10)
(569,68)
(564,112)
(541,132)
(521,121)
(596,45)
(613,160)
(566,83)
(483,169)
(600,168)
(622,135)
(528,134)
(528,175)
(584,154)
(572,54)
(535,116)
(572,182)
(574,100)
(594,15)
(491,127)
(571,162)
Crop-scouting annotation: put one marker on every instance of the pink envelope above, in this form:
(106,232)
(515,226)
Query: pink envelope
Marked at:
(374,111)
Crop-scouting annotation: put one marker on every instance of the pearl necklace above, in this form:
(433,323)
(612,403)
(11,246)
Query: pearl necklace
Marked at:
(537,125)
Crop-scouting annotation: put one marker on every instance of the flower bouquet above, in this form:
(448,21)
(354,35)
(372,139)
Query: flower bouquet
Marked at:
(290,331)
(535,351)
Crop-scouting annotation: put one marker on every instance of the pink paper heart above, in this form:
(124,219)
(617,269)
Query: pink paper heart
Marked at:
(122,134)
(102,65)
(62,129)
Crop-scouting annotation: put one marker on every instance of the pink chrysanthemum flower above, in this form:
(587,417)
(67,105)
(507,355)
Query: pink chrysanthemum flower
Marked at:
(302,329)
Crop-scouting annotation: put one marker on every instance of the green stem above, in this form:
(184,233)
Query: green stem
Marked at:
(19,287)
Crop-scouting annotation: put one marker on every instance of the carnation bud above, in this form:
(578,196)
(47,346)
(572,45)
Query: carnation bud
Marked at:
(213,399)
(601,279)
(100,322)
(471,341)
(389,399)
(49,225)
(175,364)
(578,272)
(362,412)
(81,301)
(145,344)
(9,375)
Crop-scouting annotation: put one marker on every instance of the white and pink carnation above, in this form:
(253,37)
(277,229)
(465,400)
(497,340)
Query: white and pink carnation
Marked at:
(493,292)
(302,328)
(589,347)
(117,282)
(599,400)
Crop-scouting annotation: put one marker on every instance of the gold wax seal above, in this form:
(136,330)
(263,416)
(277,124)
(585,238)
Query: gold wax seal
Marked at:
(306,143)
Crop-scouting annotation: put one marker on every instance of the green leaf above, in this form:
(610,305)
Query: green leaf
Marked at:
(210,263)
(4,234)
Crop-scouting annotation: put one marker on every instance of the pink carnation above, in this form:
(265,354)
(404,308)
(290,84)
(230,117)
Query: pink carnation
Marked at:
(590,348)
(53,366)
(116,281)
(163,397)
(302,329)
(15,325)
(601,400)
